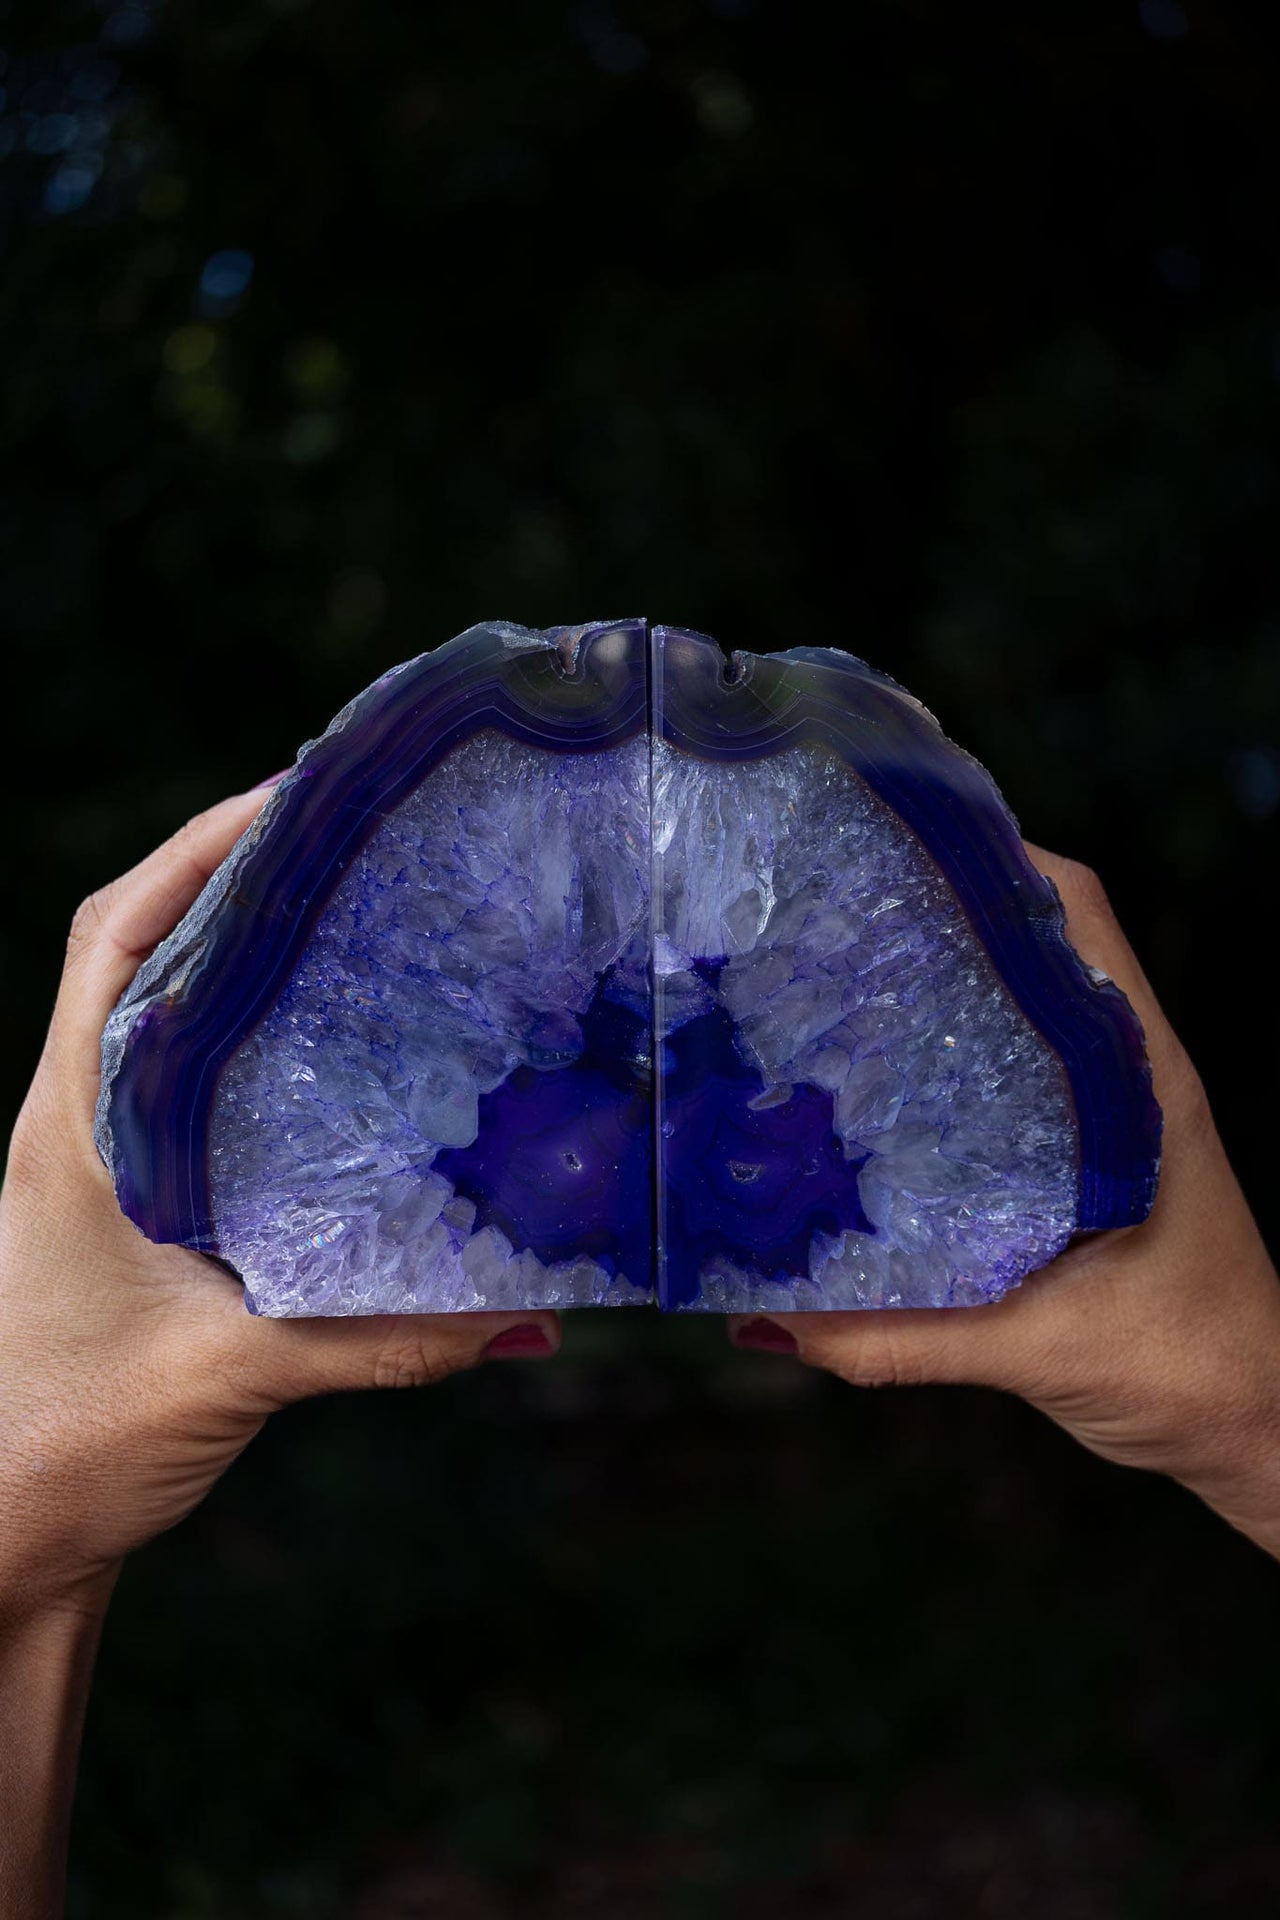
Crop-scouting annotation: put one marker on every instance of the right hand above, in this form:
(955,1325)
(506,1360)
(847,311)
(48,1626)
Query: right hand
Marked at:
(1156,1346)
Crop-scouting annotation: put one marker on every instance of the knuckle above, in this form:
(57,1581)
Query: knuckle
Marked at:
(191,832)
(1182,1094)
(1083,891)
(45,1147)
(28,1162)
(89,921)
(410,1363)
(879,1357)
(1051,1377)
(194,835)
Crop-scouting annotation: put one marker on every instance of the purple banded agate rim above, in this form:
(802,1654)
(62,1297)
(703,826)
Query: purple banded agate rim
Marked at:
(591,966)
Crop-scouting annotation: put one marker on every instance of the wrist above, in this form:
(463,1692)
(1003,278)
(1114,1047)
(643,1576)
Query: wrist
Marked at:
(47,1653)
(1240,1479)
(50,1561)
(33,1598)
(1229,1451)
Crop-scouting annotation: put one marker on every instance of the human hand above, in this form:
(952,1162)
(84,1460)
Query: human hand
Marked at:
(130,1374)
(1157,1346)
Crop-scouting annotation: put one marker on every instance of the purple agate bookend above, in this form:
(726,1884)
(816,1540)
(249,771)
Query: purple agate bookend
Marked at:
(587,967)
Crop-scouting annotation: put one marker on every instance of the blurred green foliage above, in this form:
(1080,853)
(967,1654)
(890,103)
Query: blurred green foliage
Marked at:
(947,334)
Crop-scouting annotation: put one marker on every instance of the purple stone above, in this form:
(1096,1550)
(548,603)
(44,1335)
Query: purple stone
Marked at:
(555,939)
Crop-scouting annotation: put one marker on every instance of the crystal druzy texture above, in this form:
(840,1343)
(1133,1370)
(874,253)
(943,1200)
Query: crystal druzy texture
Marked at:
(585,967)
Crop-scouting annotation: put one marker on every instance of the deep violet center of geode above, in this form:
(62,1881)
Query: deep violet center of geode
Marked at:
(749,1183)
(562,1159)
(561,1162)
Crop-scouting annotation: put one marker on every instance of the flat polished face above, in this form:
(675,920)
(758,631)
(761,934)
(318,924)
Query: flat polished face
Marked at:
(449,1100)
(588,968)
(855,1110)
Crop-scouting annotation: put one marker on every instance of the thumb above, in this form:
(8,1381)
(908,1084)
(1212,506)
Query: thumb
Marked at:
(279,1361)
(977,1346)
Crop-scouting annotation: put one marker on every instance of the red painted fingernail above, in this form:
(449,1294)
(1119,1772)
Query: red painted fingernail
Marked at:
(519,1343)
(766,1335)
(274,780)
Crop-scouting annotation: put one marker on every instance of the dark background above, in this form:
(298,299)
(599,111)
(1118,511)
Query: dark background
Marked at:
(947,333)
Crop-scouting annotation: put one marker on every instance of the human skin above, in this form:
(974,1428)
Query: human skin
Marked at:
(1156,1346)
(131,1376)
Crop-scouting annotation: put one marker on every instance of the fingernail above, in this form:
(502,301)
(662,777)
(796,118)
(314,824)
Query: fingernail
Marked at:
(519,1343)
(273,781)
(766,1335)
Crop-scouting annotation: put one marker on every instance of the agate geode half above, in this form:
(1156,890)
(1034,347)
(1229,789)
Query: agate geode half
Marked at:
(587,967)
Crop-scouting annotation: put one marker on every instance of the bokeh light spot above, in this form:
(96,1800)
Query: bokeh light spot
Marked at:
(310,437)
(162,197)
(1164,19)
(316,370)
(1179,268)
(71,185)
(722,104)
(53,132)
(225,276)
(357,600)
(127,26)
(611,46)
(1255,782)
(189,350)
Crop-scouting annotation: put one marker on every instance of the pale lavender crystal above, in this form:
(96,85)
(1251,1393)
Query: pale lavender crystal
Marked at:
(463,943)
(849,967)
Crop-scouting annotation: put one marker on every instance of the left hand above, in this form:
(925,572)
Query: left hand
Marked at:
(130,1374)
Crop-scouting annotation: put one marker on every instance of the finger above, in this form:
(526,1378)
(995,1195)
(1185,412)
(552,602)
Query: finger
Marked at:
(279,1361)
(1015,1343)
(121,924)
(1098,938)
(117,927)
(981,1346)
(1096,934)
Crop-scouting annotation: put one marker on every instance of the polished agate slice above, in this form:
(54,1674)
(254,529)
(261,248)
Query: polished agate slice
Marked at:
(588,967)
